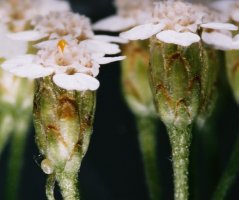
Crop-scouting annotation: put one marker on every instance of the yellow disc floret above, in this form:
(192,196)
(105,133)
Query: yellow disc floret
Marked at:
(61,45)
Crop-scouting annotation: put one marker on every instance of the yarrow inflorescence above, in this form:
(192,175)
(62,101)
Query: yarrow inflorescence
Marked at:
(183,23)
(70,51)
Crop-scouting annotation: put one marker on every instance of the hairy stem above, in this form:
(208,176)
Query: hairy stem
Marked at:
(180,139)
(50,186)
(148,144)
(68,184)
(229,174)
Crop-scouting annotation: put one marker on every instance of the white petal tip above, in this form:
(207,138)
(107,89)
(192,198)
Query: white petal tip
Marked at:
(79,82)
(220,26)
(183,39)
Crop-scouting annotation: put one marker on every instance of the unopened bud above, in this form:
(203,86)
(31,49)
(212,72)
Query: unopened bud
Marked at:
(181,79)
(63,122)
(135,78)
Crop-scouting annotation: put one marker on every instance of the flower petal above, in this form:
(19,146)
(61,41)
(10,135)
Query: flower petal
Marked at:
(10,48)
(46,44)
(220,26)
(31,71)
(79,81)
(107,60)
(235,42)
(114,23)
(27,35)
(95,46)
(182,39)
(106,38)
(235,15)
(218,40)
(142,32)
(18,61)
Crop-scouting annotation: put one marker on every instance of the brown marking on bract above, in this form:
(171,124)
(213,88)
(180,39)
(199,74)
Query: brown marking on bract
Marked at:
(55,130)
(67,108)
(196,79)
(184,104)
(235,68)
(165,93)
(175,56)
(88,120)
(86,123)
(77,147)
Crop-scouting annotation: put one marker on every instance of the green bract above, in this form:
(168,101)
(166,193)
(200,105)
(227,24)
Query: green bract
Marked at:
(63,122)
(183,81)
(135,80)
(232,59)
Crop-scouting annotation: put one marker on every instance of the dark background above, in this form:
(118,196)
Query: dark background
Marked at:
(112,168)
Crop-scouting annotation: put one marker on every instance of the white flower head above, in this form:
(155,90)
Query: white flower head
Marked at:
(15,16)
(73,65)
(180,23)
(228,8)
(57,25)
(129,14)
(18,13)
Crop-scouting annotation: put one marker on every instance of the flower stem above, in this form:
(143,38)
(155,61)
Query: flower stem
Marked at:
(16,158)
(5,131)
(229,174)
(68,184)
(148,144)
(180,139)
(50,186)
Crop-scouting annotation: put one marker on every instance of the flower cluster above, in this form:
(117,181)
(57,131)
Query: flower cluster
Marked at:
(48,26)
(183,24)
(17,14)
(69,51)
(73,65)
